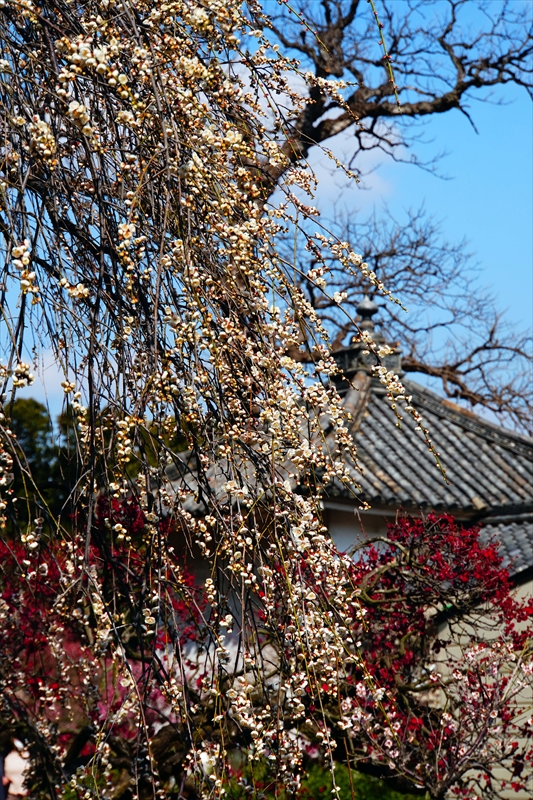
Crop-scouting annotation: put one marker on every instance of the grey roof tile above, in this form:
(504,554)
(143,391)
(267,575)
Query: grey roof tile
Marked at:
(486,467)
(516,541)
(489,470)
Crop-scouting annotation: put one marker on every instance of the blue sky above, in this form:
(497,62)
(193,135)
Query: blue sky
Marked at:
(486,199)
(489,199)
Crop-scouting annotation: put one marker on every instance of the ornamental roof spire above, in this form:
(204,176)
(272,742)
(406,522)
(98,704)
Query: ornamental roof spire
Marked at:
(366,309)
(355,357)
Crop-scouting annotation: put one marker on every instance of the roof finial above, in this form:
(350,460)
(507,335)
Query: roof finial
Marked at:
(366,309)
(358,356)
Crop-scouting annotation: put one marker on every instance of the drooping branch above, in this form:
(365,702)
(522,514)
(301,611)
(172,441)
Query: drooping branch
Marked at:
(452,331)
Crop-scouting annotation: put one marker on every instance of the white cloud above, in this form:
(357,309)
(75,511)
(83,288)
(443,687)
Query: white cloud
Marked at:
(334,187)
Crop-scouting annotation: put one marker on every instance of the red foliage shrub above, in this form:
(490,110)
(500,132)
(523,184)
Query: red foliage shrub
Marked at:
(57,624)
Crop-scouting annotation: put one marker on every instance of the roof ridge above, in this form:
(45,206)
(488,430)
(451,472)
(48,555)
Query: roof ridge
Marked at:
(470,420)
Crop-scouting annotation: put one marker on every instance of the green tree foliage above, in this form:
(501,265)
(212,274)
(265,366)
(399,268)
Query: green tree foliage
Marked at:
(355,786)
(317,784)
(43,469)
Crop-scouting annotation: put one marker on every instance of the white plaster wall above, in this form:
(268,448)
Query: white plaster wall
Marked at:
(348,527)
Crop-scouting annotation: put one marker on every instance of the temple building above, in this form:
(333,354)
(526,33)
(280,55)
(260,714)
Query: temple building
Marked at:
(486,476)
(488,469)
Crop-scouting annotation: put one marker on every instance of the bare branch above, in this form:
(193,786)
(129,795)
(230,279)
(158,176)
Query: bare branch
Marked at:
(442,57)
(452,333)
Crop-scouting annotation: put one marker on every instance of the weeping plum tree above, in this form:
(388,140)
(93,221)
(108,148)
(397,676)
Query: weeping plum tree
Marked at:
(140,248)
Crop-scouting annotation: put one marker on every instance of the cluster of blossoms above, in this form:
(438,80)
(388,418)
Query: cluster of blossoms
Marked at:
(21,255)
(22,375)
(138,172)
(42,140)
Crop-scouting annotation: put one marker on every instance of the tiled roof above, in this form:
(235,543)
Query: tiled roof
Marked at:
(516,541)
(487,468)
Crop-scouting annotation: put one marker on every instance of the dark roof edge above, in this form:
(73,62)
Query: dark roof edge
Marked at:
(515,514)
(520,576)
